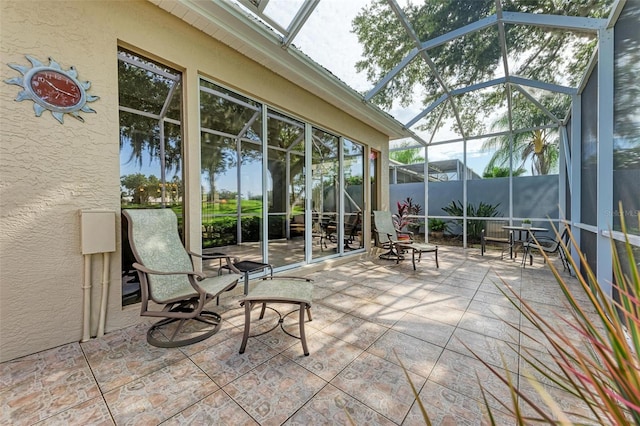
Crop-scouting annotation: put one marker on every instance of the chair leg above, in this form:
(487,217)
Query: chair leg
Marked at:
(247,324)
(309,313)
(303,337)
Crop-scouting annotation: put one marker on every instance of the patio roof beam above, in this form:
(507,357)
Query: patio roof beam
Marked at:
(426,111)
(478,86)
(298,21)
(541,85)
(249,123)
(148,67)
(433,134)
(259,10)
(228,98)
(536,103)
(148,115)
(417,138)
(505,64)
(425,56)
(228,135)
(492,135)
(391,74)
(574,23)
(452,35)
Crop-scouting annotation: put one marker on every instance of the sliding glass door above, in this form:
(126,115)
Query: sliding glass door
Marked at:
(256,182)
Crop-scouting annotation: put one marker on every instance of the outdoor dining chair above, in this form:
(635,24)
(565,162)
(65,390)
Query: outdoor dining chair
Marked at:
(549,246)
(168,278)
(494,233)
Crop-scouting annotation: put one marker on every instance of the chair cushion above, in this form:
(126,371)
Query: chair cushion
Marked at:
(423,247)
(282,290)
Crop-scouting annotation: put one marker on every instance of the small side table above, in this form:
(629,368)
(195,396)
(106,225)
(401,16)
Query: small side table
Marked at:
(248,267)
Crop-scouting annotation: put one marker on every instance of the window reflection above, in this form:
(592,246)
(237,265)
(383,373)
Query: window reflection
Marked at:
(353,163)
(325,198)
(231,173)
(286,198)
(150,108)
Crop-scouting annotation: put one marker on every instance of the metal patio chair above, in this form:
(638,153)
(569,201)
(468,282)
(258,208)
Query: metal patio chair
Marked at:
(168,278)
(386,237)
(549,246)
(495,234)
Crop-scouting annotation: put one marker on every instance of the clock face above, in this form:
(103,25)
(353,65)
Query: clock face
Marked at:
(55,88)
(52,88)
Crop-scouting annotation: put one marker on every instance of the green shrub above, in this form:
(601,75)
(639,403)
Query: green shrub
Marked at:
(474,226)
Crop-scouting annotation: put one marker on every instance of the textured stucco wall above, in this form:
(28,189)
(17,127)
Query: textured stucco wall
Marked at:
(49,171)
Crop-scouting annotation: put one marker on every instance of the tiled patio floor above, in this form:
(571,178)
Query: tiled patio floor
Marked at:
(367,314)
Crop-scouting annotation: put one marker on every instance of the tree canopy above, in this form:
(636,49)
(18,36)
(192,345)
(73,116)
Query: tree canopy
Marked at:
(538,53)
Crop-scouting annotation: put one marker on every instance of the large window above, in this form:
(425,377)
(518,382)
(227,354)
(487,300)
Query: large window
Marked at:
(150,108)
(353,194)
(255,182)
(231,172)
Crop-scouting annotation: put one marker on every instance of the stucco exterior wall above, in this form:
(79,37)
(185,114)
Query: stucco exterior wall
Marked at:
(50,171)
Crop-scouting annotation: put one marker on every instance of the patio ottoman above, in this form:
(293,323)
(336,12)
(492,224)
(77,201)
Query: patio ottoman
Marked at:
(283,290)
(416,248)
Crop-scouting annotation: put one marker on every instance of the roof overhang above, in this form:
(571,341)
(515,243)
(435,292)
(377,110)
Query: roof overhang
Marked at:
(231,26)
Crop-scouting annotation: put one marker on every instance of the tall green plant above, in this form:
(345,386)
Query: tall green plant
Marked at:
(474,226)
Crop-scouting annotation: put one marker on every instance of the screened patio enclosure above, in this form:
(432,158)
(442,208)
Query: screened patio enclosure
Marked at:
(505,80)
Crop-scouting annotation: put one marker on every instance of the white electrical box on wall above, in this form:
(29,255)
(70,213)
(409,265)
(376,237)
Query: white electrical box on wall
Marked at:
(97,231)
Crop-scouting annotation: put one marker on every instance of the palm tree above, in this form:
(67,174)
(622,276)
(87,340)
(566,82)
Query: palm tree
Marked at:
(539,148)
(496,172)
(543,153)
(407,156)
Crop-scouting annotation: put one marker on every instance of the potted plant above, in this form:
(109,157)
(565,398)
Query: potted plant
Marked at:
(407,209)
(436,227)
(526,223)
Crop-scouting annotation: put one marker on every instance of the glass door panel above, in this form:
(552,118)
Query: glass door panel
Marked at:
(353,195)
(150,148)
(285,183)
(325,198)
(231,173)
(251,200)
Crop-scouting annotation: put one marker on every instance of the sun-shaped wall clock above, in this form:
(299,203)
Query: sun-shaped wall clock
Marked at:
(52,88)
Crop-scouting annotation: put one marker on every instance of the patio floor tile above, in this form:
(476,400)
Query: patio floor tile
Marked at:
(380,384)
(159,395)
(331,406)
(275,390)
(366,313)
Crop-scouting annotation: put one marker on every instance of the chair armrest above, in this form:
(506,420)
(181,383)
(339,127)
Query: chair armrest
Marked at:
(309,280)
(213,256)
(230,260)
(146,270)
